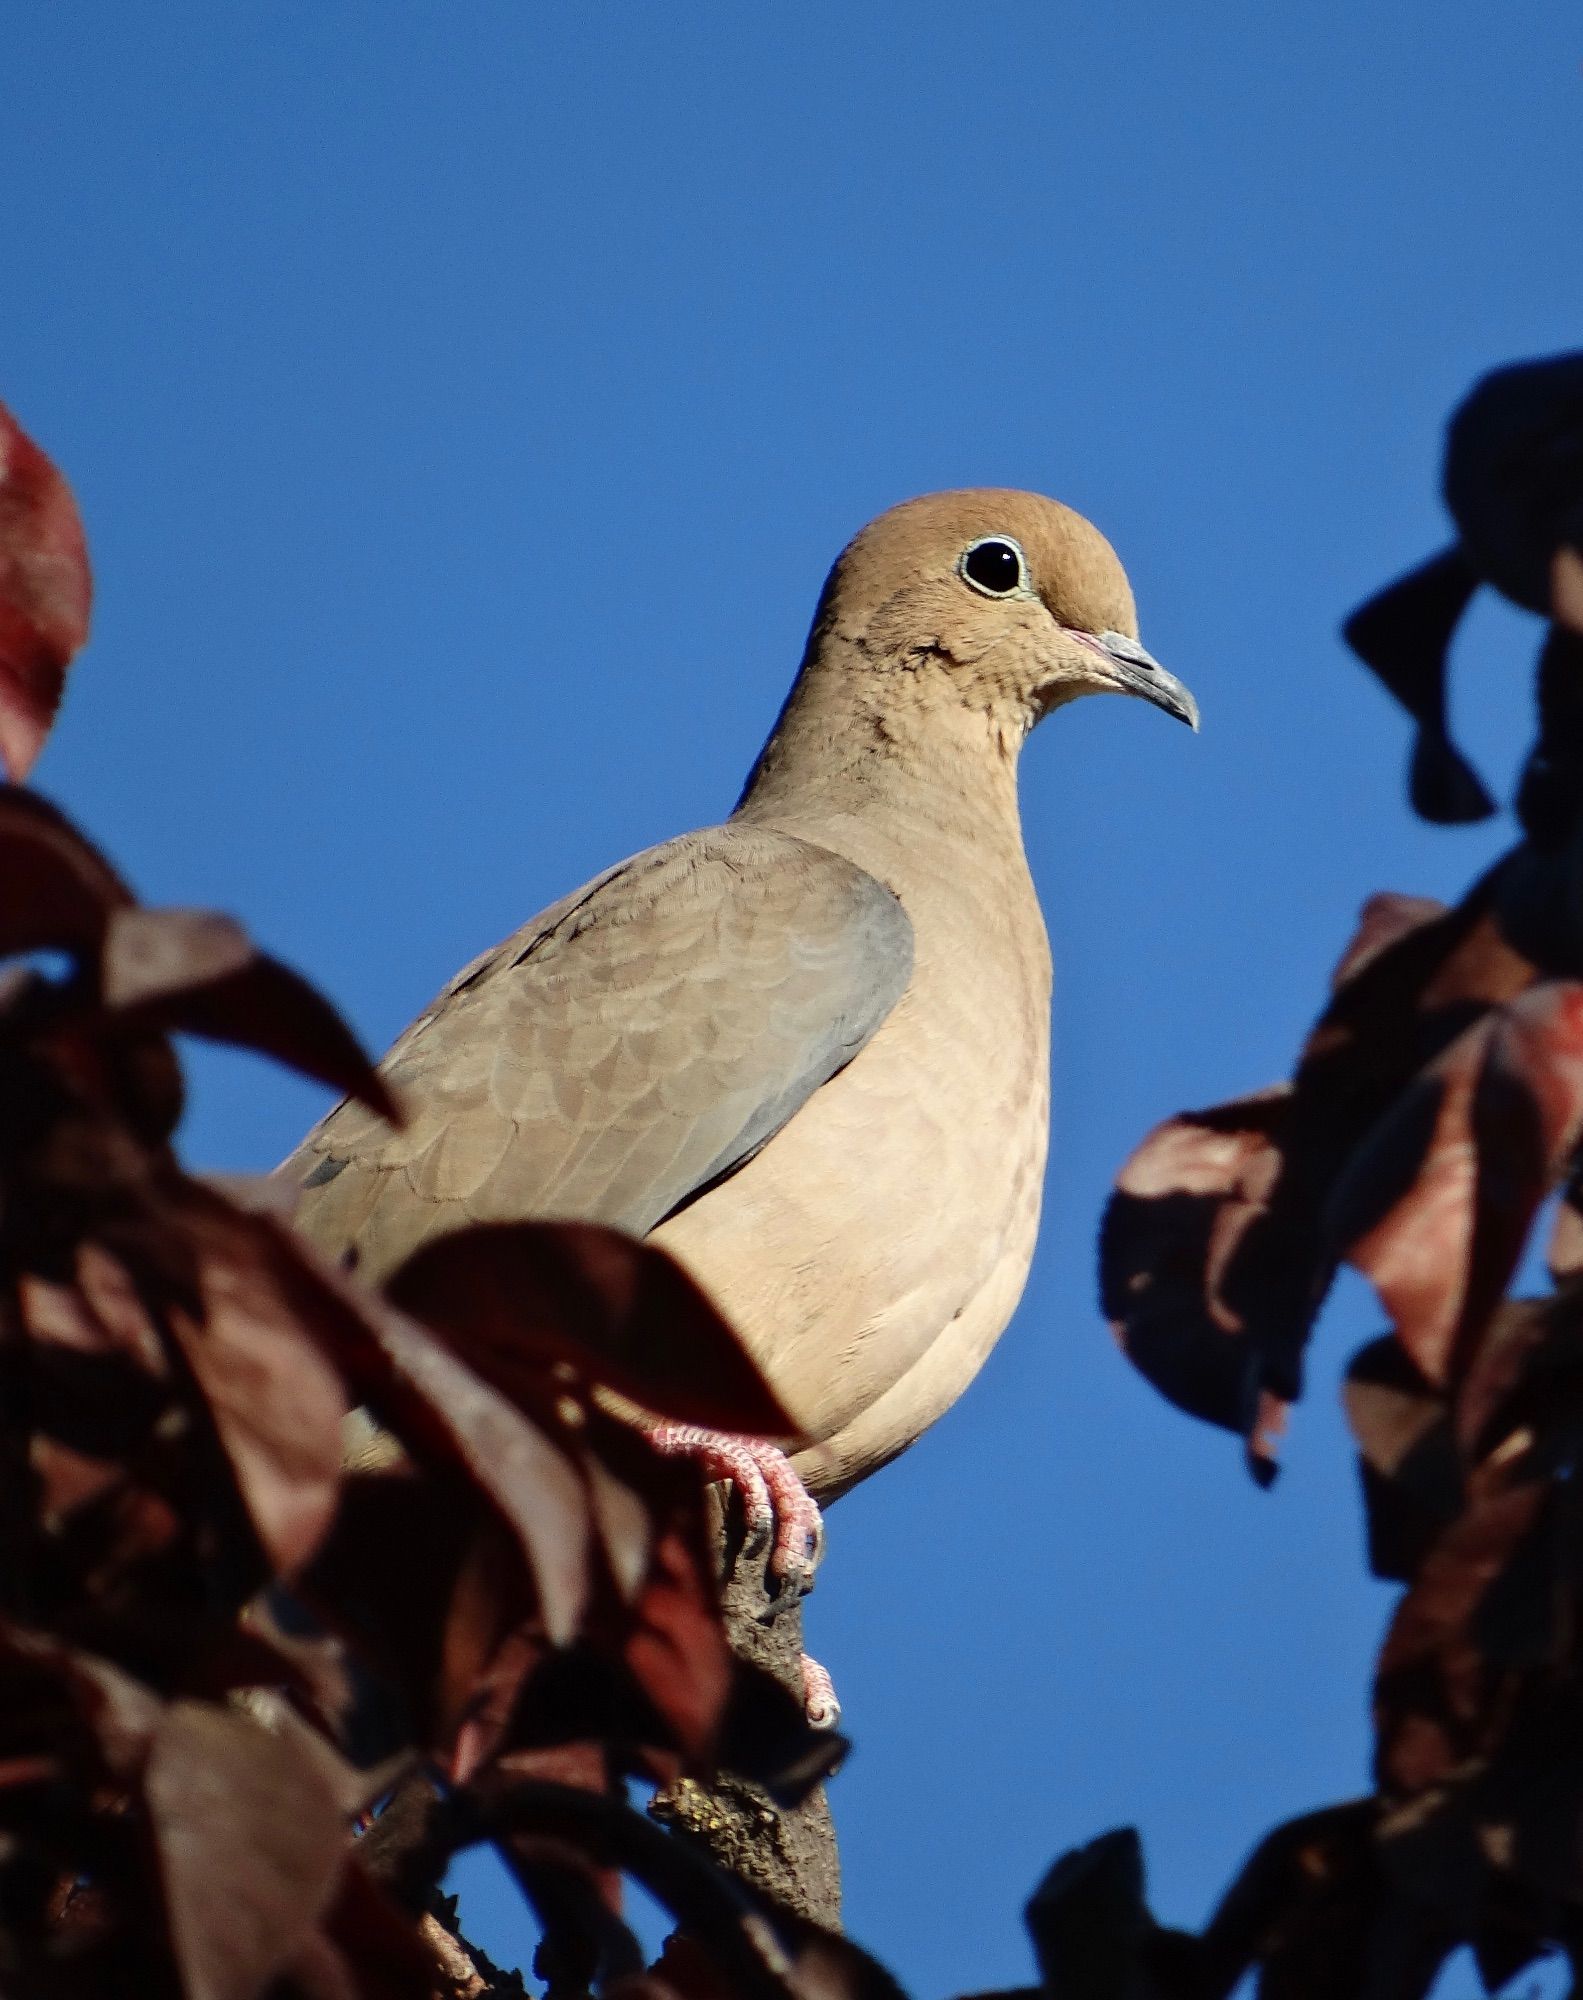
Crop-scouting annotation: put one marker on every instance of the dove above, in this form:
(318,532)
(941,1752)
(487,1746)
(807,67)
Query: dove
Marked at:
(805,1050)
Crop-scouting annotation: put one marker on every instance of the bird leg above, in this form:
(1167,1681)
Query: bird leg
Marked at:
(778,1511)
(779,1514)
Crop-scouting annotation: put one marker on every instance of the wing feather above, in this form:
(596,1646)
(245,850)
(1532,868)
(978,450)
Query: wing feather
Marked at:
(632,1045)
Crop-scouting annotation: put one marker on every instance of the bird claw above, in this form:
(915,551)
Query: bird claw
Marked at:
(819,1701)
(779,1514)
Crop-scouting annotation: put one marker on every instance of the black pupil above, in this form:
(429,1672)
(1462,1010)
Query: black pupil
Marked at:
(994,566)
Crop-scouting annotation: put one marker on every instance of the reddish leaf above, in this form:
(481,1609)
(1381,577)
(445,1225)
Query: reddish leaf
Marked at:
(1183,1203)
(438,1406)
(381,1954)
(677,1650)
(1433,1706)
(199,973)
(45,592)
(42,1676)
(515,1298)
(274,1398)
(428,1586)
(1436,1207)
(250,1833)
(1214,1260)
(60,892)
(1412,1476)
(1566,588)
(1386,918)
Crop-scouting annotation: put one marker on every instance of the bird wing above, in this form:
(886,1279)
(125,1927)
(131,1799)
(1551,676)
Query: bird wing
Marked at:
(622,1051)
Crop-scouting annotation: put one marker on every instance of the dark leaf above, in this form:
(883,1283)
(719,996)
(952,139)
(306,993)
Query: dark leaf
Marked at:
(1433,1690)
(46,1681)
(275,1400)
(427,1586)
(442,1410)
(383,1955)
(60,892)
(45,591)
(1183,1203)
(1435,1209)
(1513,476)
(677,1650)
(1386,918)
(199,973)
(765,1736)
(1093,1935)
(1566,588)
(1412,1475)
(1213,1257)
(249,1829)
(514,1298)
(827,1966)
(1403,634)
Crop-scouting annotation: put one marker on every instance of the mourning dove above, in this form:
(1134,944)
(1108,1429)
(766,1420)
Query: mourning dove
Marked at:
(806,1050)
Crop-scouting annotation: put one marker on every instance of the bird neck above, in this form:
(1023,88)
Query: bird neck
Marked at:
(853,744)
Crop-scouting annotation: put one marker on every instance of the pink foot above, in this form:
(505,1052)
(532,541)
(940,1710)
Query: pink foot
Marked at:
(780,1514)
(819,1701)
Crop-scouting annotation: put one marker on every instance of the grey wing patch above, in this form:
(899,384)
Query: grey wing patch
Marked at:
(633,1045)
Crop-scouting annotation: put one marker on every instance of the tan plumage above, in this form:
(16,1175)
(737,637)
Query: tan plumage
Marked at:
(806,1049)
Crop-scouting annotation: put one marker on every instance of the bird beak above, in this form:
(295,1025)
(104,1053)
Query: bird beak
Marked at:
(1135,671)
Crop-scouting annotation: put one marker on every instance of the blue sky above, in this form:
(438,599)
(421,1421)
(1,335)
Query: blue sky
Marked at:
(465,405)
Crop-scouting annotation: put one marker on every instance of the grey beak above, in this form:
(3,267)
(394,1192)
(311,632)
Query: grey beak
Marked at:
(1139,672)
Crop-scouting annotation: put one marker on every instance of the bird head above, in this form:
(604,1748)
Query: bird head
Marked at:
(1015,601)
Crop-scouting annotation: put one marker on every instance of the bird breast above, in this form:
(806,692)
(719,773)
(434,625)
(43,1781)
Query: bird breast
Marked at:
(934,1136)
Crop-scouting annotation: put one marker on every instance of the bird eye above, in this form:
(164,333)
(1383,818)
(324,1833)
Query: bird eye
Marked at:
(995,566)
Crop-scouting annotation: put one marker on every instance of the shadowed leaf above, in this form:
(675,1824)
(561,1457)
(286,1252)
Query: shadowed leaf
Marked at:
(1412,1475)
(199,973)
(275,1400)
(514,1298)
(1182,1204)
(60,892)
(1436,1207)
(439,1407)
(249,1828)
(1402,634)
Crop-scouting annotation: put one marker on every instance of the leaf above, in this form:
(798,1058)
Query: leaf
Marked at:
(1305,1907)
(1513,475)
(1436,1207)
(677,1650)
(1095,1937)
(441,1409)
(60,892)
(1402,634)
(42,1675)
(1433,1698)
(1566,588)
(45,591)
(198,973)
(250,1834)
(273,1396)
(765,1736)
(1214,1254)
(1386,918)
(1412,1475)
(1183,1202)
(515,1298)
(368,1948)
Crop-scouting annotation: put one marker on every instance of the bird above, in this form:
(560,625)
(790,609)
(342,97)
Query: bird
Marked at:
(804,1050)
